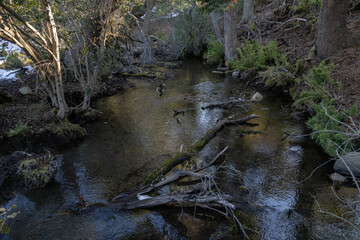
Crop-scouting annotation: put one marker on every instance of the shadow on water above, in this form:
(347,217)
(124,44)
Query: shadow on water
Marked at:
(138,131)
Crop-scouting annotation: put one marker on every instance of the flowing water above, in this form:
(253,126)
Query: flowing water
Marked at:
(138,131)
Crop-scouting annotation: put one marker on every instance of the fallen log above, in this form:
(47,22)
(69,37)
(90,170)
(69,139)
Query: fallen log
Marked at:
(181,174)
(219,201)
(182,157)
(225,105)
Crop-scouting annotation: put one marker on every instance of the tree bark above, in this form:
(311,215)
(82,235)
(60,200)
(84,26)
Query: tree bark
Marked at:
(148,15)
(229,31)
(248,11)
(332,33)
(213,16)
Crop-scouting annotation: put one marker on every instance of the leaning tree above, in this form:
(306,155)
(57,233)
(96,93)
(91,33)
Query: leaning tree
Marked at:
(31,26)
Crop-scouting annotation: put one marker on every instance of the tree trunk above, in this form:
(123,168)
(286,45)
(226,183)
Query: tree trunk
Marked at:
(332,33)
(213,16)
(148,15)
(229,32)
(248,11)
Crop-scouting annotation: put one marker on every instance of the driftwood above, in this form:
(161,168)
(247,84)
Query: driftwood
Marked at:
(225,105)
(182,112)
(218,201)
(181,174)
(207,196)
(182,157)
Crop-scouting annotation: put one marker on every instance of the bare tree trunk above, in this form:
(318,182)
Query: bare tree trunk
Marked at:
(148,15)
(54,47)
(213,16)
(31,41)
(332,33)
(229,32)
(248,11)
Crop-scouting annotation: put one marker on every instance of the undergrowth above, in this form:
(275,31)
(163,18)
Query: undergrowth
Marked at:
(215,52)
(325,122)
(307,5)
(19,128)
(312,89)
(254,57)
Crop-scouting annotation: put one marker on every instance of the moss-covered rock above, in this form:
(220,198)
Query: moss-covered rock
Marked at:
(37,171)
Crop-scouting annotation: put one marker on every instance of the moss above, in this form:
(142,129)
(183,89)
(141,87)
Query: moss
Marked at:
(68,130)
(19,128)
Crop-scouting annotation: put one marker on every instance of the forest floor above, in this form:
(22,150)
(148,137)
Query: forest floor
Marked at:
(296,38)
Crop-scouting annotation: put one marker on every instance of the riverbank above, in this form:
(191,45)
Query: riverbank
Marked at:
(28,124)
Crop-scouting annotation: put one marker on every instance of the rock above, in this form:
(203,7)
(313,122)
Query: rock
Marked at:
(222,69)
(25,90)
(218,72)
(235,74)
(352,160)
(38,171)
(257,97)
(336,177)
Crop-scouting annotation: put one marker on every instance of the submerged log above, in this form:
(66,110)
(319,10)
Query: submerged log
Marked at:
(224,105)
(182,157)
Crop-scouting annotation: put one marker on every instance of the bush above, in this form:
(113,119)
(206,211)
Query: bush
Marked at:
(326,119)
(192,28)
(215,52)
(308,5)
(328,132)
(255,57)
(16,60)
(317,84)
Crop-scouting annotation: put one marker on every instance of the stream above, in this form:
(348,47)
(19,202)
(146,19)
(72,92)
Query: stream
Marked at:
(138,131)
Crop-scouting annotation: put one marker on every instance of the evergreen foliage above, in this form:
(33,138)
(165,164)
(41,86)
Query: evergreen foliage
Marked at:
(192,29)
(328,131)
(215,52)
(255,57)
(308,5)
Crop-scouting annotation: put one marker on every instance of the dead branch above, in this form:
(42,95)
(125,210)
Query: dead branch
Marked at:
(181,174)
(182,157)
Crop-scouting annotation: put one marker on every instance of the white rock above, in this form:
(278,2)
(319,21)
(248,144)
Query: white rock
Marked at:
(336,177)
(25,90)
(257,97)
(235,74)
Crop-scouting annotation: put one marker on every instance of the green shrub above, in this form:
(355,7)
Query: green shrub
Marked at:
(192,29)
(4,216)
(215,52)
(307,5)
(13,61)
(16,60)
(329,133)
(316,91)
(255,57)
(19,128)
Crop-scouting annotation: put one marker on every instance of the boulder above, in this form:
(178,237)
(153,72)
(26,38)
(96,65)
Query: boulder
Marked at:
(336,177)
(235,74)
(257,97)
(25,90)
(352,160)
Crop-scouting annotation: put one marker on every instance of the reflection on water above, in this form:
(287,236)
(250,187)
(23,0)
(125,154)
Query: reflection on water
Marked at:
(138,131)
